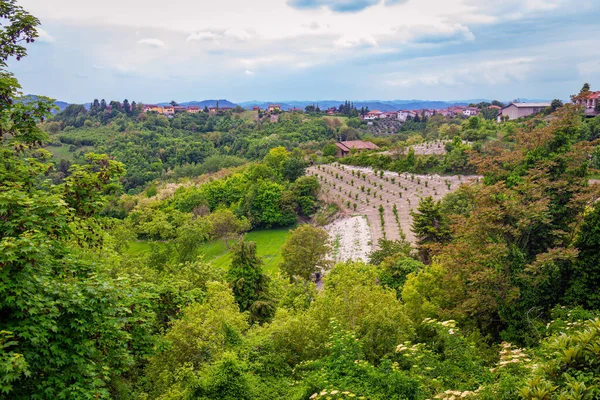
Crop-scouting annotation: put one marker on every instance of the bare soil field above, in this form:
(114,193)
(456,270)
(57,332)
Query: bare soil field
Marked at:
(350,239)
(385,198)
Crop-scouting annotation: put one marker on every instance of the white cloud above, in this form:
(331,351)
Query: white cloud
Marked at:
(238,33)
(44,36)
(204,35)
(152,42)
(248,72)
(349,41)
(500,71)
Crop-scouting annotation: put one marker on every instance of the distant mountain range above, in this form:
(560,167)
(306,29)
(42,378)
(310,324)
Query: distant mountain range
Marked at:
(203,103)
(60,104)
(381,105)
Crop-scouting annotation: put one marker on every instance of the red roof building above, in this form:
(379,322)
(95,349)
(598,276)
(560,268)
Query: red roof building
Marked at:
(344,148)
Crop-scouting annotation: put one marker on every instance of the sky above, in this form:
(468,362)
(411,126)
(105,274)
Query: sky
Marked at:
(276,50)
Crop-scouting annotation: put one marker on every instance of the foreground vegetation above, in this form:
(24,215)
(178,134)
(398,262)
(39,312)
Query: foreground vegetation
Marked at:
(498,300)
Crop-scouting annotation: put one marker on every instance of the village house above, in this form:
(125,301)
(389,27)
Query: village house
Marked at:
(390,115)
(274,107)
(179,109)
(255,108)
(295,109)
(520,110)
(446,112)
(331,110)
(168,110)
(345,148)
(153,107)
(590,102)
(470,111)
(404,115)
(194,109)
(371,115)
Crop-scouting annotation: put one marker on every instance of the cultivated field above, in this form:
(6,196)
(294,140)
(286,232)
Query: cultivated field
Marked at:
(362,191)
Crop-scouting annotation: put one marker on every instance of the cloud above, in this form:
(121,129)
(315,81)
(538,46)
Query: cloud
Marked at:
(238,33)
(152,42)
(204,35)
(350,41)
(491,72)
(248,72)
(441,33)
(342,6)
(44,36)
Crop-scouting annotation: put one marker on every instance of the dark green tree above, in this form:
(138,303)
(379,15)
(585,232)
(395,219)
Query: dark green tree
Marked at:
(249,284)
(102,105)
(293,168)
(429,226)
(556,104)
(585,275)
(126,106)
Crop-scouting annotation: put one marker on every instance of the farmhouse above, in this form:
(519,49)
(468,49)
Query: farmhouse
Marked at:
(344,148)
(168,110)
(255,108)
(274,107)
(590,101)
(520,110)
(193,109)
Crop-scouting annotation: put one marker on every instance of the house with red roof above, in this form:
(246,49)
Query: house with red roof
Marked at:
(274,107)
(358,146)
(193,109)
(371,115)
(590,102)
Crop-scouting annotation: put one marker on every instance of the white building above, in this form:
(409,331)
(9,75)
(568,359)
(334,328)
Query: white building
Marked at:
(520,110)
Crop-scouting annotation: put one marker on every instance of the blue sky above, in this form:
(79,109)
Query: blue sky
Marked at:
(150,51)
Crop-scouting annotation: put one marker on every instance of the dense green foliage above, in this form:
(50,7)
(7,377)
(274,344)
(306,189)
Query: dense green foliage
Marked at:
(498,301)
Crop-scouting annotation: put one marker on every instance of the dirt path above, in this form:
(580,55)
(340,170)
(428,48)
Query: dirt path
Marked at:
(371,192)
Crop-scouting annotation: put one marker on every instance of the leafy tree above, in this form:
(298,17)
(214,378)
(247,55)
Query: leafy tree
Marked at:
(126,106)
(329,150)
(189,237)
(67,330)
(585,275)
(429,226)
(389,248)
(556,104)
(249,284)
(586,87)
(199,337)
(304,251)
(102,105)
(226,226)
(276,157)
(293,168)
(395,270)
(570,365)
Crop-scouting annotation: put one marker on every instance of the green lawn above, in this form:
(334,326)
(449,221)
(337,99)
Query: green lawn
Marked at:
(62,152)
(268,243)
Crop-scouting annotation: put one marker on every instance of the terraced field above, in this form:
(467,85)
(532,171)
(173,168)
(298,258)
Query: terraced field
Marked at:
(385,198)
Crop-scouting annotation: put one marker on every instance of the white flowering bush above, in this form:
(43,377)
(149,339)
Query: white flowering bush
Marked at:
(447,363)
